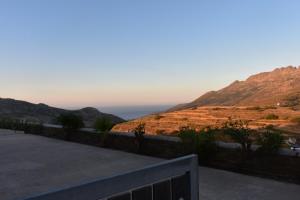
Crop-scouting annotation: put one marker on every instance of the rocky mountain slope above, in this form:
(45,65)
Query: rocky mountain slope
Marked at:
(279,87)
(10,108)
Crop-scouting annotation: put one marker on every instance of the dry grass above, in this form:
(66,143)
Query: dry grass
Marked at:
(201,117)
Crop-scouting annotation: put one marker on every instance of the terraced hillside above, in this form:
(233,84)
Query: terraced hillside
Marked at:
(283,118)
(265,98)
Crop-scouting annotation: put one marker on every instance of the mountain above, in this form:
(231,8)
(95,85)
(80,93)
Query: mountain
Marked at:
(275,94)
(278,87)
(17,109)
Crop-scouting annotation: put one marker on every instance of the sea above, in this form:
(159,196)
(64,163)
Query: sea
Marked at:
(133,112)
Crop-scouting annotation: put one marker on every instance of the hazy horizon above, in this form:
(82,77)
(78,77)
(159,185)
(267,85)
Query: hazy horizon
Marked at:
(129,112)
(77,53)
(133,112)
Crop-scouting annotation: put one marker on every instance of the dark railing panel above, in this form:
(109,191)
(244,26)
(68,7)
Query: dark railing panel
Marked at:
(175,179)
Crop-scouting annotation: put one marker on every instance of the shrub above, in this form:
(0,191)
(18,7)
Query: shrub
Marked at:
(238,130)
(206,145)
(103,124)
(33,128)
(139,132)
(13,124)
(158,117)
(270,141)
(21,125)
(270,127)
(272,117)
(201,143)
(70,122)
(189,138)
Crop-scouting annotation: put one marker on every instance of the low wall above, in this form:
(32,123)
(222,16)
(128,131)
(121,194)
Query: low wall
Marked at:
(154,145)
(158,146)
(285,168)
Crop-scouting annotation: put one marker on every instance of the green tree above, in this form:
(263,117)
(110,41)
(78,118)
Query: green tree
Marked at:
(202,143)
(206,145)
(103,124)
(270,141)
(189,137)
(70,121)
(239,131)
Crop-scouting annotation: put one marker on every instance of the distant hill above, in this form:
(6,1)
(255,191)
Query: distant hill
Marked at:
(279,87)
(11,108)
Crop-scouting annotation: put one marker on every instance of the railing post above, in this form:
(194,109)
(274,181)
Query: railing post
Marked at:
(194,178)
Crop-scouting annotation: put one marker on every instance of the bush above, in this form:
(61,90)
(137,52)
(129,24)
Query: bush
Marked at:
(103,124)
(70,122)
(270,127)
(158,117)
(13,124)
(206,145)
(272,117)
(189,138)
(139,133)
(33,128)
(201,143)
(21,125)
(270,141)
(238,130)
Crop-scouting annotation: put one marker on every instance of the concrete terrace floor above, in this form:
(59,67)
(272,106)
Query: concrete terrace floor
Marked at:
(31,164)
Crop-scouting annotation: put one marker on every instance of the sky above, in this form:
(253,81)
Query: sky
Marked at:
(76,53)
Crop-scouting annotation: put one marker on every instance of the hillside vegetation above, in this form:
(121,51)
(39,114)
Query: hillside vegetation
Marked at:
(269,98)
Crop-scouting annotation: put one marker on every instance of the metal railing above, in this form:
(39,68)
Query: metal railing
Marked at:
(180,173)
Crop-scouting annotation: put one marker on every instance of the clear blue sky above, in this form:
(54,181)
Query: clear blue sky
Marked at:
(133,52)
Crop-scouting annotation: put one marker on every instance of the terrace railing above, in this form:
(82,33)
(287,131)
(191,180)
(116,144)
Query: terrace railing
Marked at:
(175,179)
